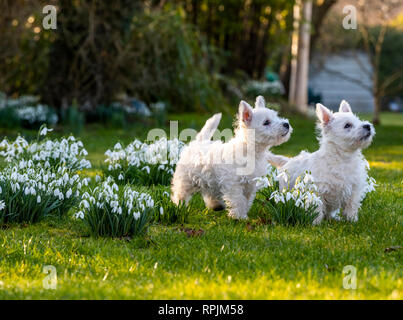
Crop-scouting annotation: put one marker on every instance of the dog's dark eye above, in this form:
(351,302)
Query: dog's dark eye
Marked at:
(347,125)
(266,123)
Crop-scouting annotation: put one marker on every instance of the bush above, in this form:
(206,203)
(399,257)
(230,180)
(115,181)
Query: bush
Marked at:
(29,192)
(26,112)
(144,164)
(112,211)
(172,62)
(67,152)
(73,119)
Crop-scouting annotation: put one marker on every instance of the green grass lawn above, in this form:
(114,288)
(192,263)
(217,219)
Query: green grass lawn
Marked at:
(231,259)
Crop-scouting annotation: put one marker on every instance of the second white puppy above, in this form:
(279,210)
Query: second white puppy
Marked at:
(224,172)
(338,167)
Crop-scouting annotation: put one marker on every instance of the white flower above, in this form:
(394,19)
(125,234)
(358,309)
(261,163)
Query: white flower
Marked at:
(121,177)
(283,175)
(161,211)
(69,193)
(38,199)
(85,204)
(2,204)
(79,215)
(136,215)
(45,131)
(308,178)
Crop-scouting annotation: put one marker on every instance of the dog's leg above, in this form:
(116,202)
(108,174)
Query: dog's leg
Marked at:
(236,202)
(250,194)
(350,210)
(321,214)
(213,203)
(182,190)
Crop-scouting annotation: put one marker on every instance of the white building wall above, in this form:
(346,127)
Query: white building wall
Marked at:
(343,76)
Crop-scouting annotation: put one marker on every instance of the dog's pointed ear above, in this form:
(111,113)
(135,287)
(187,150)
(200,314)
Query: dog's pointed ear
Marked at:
(260,103)
(344,107)
(245,112)
(324,114)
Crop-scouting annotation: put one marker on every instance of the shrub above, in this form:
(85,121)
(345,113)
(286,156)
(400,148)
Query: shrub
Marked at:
(29,192)
(51,153)
(168,212)
(296,205)
(110,210)
(32,117)
(142,163)
(170,61)
(26,112)
(73,119)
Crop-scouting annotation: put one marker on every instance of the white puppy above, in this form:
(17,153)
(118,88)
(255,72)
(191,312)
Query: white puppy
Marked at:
(222,172)
(338,167)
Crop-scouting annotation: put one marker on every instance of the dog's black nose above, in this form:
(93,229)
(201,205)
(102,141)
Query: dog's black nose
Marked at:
(367,127)
(286,125)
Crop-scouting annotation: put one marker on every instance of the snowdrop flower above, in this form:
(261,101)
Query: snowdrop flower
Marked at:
(308,178)
(120,177)
(85,204)
(69,193)
(79,215)
(2,204)
(45,131)
(136,215)
(38,199)
(283,175)
(161,211)
(56,192)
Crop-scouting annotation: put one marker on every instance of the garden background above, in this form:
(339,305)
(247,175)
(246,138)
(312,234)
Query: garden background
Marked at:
(112,71)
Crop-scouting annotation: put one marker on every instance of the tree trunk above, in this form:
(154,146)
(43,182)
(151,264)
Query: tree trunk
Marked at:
(377,110)
(301,92)
(321,11)
(294,53)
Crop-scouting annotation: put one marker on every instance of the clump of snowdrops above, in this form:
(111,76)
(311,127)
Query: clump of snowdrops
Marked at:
(67,152)
(29,192)
(144,164)
(295,205)
(168,212)
(115,210)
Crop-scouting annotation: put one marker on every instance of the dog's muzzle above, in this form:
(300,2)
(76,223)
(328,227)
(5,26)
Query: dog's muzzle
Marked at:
(286,127)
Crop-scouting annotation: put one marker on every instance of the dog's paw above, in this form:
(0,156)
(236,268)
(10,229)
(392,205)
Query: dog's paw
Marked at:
(237,216)
(353,218)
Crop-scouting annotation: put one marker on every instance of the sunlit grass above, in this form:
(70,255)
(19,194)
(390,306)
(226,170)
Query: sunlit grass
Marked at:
(230,260)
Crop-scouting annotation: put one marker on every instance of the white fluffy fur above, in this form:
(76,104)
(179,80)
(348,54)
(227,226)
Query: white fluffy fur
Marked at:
(213,167)
(338,167)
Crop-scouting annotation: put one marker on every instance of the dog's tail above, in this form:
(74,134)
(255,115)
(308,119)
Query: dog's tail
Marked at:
(206,133)
(276,160)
